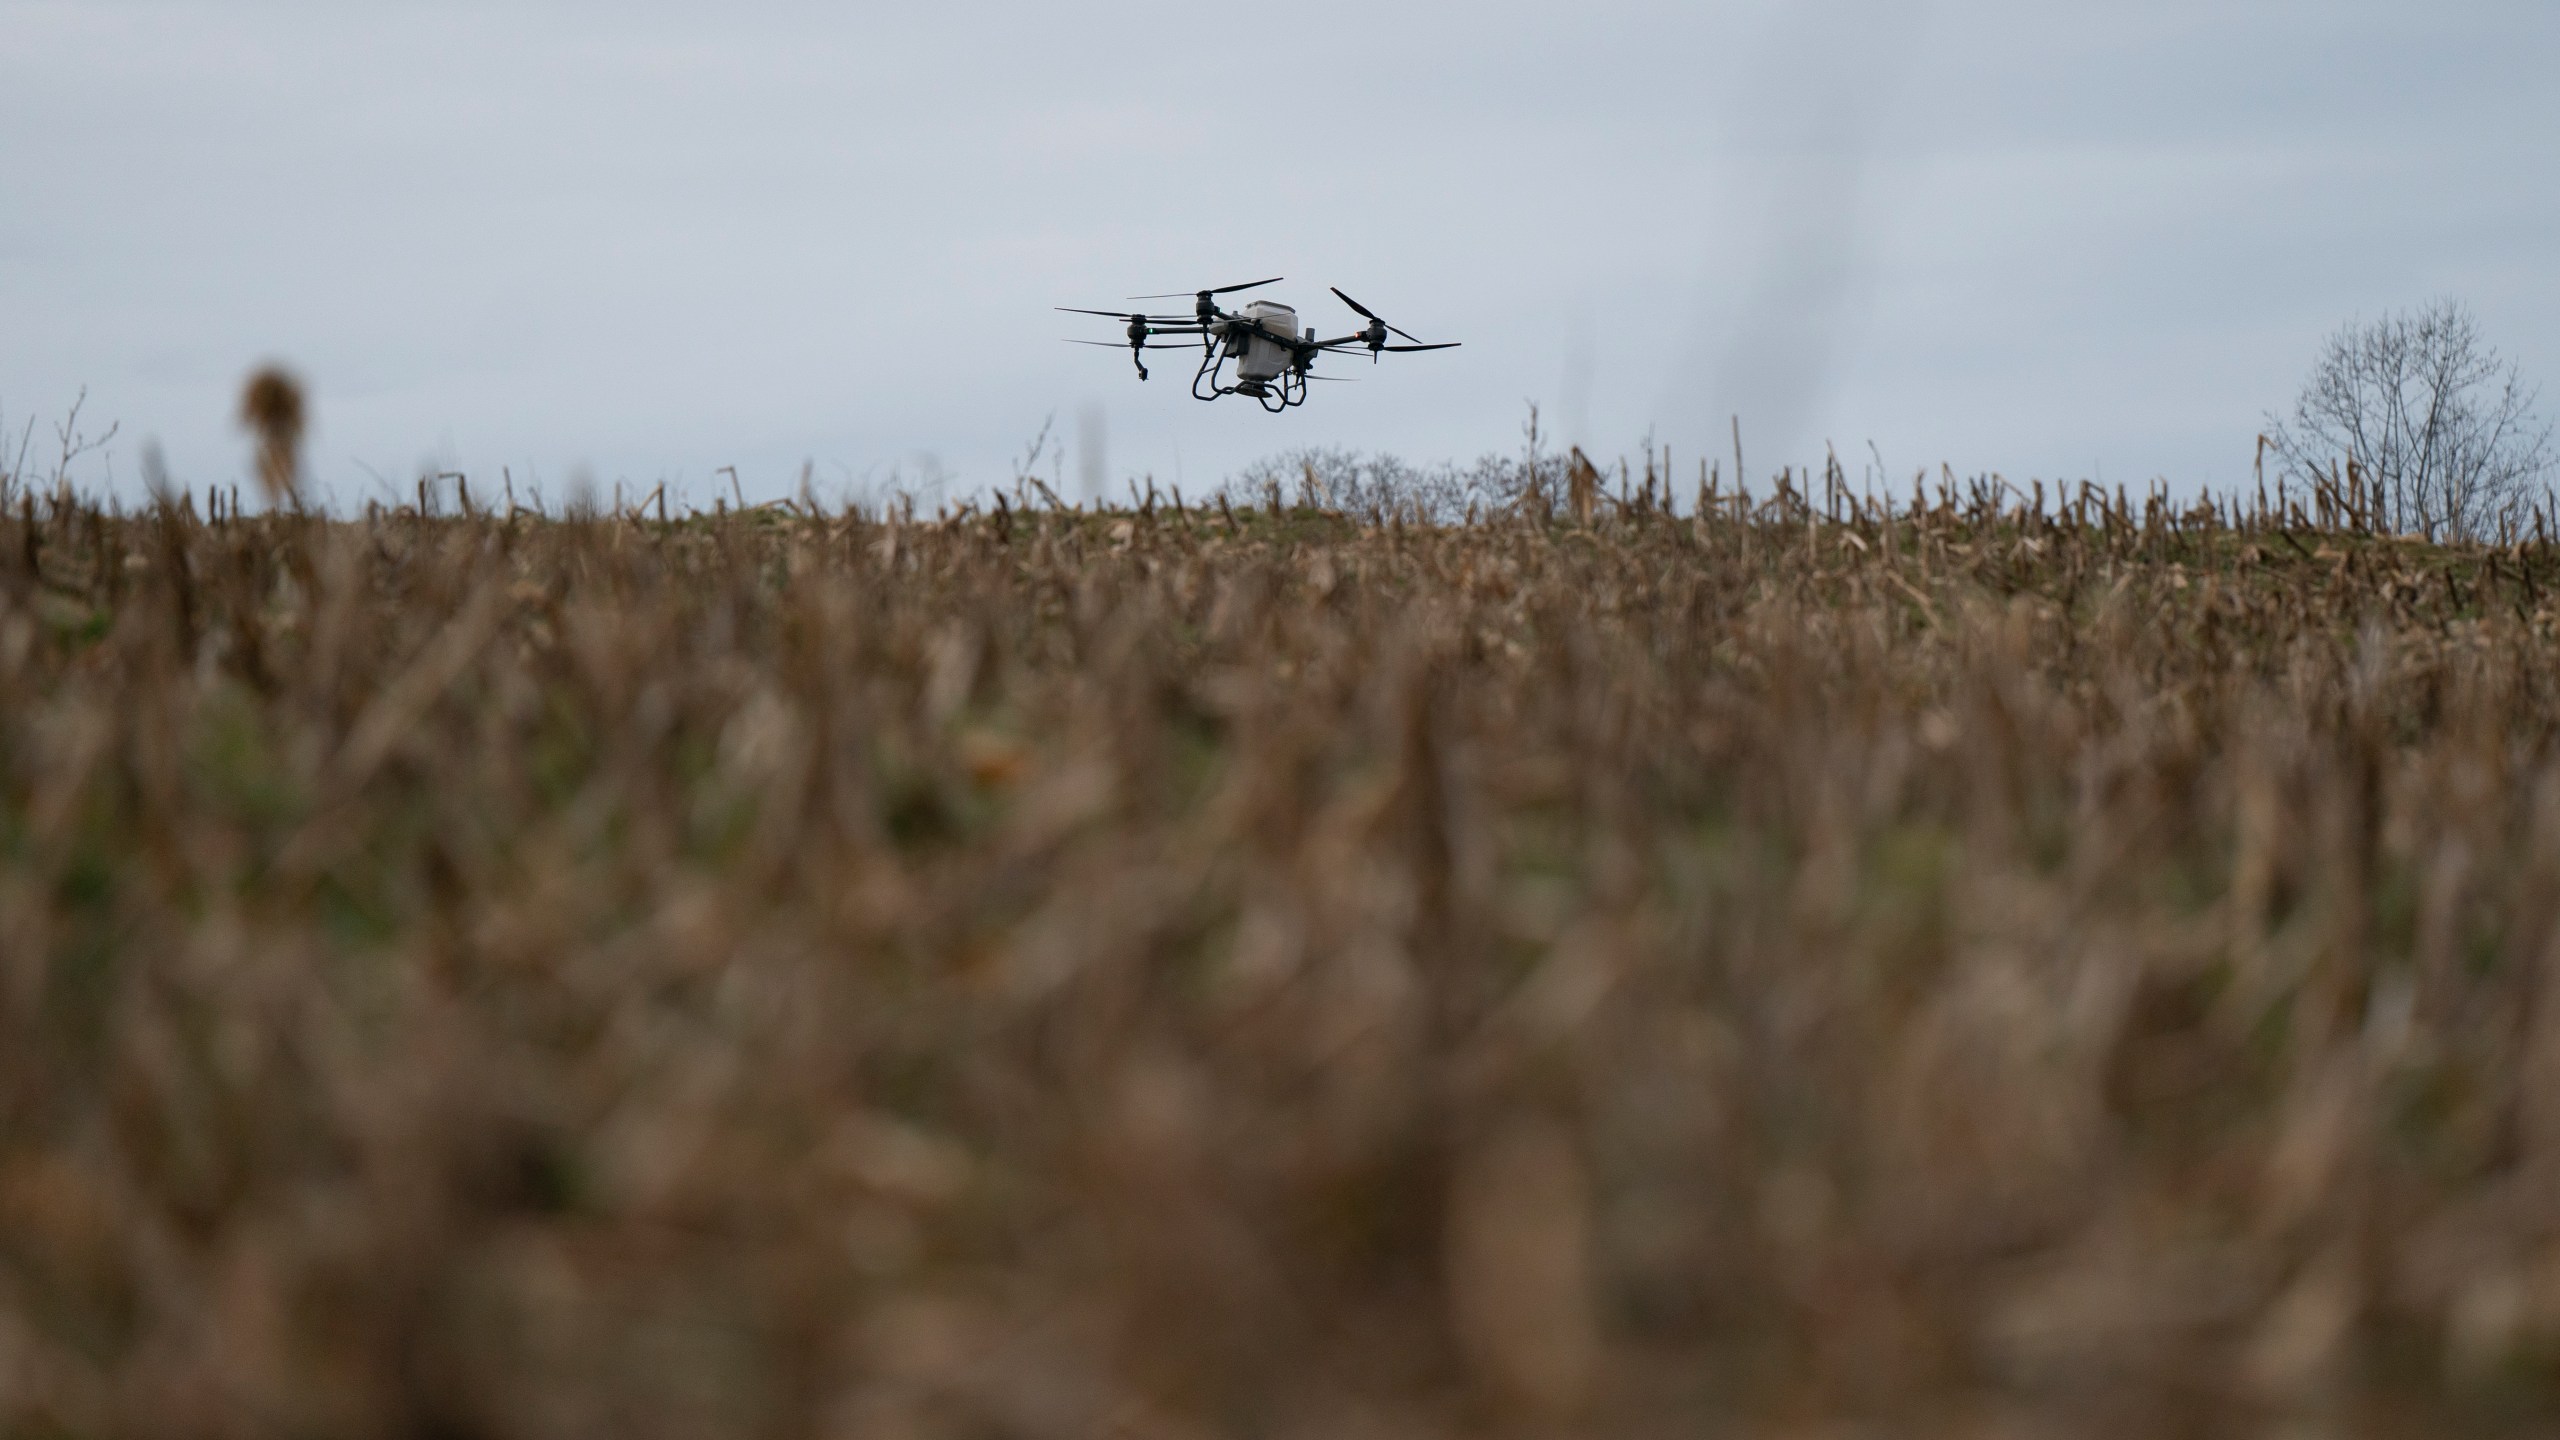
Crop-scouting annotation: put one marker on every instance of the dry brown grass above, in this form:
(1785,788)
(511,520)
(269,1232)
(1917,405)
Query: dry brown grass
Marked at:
(1200,973)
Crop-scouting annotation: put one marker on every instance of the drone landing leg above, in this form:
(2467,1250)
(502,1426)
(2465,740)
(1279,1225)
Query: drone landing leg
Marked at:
(1138,359)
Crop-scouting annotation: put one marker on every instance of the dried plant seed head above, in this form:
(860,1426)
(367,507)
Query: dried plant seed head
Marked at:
(273,409)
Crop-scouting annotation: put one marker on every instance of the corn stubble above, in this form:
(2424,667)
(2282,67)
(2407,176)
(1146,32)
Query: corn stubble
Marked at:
(1173,974)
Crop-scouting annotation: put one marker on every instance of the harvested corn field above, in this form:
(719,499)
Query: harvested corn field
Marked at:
(1948,969)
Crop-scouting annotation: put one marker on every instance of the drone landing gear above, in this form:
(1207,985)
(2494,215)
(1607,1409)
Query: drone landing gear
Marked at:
(1282,392)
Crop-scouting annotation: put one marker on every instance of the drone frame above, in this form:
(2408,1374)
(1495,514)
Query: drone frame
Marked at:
(1224,336)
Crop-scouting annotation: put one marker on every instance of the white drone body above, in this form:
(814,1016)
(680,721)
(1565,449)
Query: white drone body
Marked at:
(1259,357)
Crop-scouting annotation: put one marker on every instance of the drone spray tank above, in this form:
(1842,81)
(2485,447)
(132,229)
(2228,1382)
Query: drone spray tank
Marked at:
(1260,355)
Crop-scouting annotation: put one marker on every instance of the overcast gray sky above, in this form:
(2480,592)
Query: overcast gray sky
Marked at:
(2042,237)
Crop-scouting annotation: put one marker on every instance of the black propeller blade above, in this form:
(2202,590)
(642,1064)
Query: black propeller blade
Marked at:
(1409,349)
(1221,290)
(1122,315)
(1364,310)
(1123,345)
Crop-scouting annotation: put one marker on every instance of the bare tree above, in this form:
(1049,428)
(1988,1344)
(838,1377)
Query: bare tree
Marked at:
(77,443)
(2416,413)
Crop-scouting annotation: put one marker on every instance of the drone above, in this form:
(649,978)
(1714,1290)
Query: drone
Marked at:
(1271,354)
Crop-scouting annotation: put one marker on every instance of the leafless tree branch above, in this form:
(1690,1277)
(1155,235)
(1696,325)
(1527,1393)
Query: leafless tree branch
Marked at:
(2442,431)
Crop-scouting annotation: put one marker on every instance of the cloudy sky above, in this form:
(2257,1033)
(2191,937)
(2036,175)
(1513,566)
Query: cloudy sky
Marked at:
(644,240)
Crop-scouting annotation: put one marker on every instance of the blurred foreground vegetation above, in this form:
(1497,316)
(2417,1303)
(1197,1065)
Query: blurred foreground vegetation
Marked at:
(1952,968)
